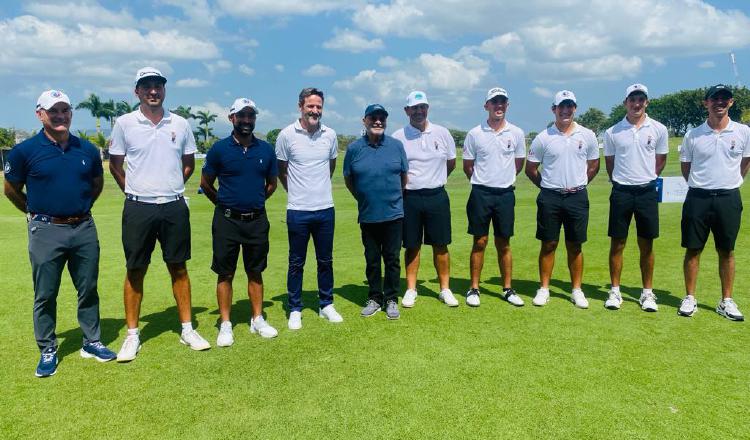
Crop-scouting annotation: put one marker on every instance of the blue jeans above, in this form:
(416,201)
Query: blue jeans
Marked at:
(301,225)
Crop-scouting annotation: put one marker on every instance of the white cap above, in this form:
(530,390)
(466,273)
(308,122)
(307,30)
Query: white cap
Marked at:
(636,88)
(564,95)
(415,98)
(241,103)
(51,97)
(496,91)
(148,72)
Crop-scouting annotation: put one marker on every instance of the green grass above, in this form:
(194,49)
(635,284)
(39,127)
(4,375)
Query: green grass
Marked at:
(491,372)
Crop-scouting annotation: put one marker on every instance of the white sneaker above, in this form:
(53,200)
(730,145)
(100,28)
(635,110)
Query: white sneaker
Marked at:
(648,302)
(614,301)
(192,339)
(579,299)
(447,297)
(329,312)
(295,320)
(472,298)
(541,298)
(226,336)
(512,297)
(728,309)
(261,327)
(410,297)
(130,348)
(688,306)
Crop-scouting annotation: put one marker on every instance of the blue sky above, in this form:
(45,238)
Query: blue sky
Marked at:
(361,51)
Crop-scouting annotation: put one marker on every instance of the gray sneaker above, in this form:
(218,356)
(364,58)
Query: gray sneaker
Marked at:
(391,310)
(370,309)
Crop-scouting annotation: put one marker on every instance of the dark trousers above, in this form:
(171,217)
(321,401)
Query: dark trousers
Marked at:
(301,225)
(50,247)
(382,240)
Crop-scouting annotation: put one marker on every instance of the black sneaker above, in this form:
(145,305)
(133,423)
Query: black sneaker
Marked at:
(47,363)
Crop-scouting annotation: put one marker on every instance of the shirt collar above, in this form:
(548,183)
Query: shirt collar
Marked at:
(73,141)
(555,130)
(367,140)
(298,127)
(626,123)
(142,118)
(706,128)
(412,129)
(234,142)
(486,127)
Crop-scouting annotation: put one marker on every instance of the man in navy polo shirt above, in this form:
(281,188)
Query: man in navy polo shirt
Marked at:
(63,178)
(246,168)
(375,168)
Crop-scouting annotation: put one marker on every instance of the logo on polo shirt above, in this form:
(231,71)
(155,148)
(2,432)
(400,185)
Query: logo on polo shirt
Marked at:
(174,136)
(83,161)
(580,145)
(7,167)
(648,142)
(509,144)
(436,146)
(261,160)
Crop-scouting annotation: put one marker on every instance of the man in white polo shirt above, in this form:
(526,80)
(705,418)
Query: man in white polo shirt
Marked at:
(569,156)
(715,158)
(307,151)
(493,155)
(160,149)
(635,151)
(431,153)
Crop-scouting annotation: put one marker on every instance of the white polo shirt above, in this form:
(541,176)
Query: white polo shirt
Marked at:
(494,154)
(154,152)
(715,156)
(563,158)
(308,170)
(635,150)
(427,152)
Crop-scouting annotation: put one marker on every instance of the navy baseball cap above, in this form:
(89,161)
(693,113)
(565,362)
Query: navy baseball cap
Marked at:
(375,108)
(719,88)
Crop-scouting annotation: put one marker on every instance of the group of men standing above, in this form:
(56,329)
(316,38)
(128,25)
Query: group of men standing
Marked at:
(399,184)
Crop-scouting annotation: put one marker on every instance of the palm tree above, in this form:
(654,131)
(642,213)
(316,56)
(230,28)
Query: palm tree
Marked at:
(124,107)
(185,112)
(109,112)
(95,106)
(204,119)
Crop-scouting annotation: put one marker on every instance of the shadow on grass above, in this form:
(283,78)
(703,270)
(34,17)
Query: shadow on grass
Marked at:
(240,312)
(163,322)
(633,294)
(310,300)
(73,338)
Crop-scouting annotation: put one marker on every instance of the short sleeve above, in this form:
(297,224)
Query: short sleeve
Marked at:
(117,145)
(404,160)
(189,146)
(469,152)
(347,168)
(451,145)
(15,166)
(536,151)
(520,144)
(609,143)
(662,141)
(282,147)
(212,165)
(96,169)
(686,151)
(746,151)
(334,146)
(592,152)
(273,170)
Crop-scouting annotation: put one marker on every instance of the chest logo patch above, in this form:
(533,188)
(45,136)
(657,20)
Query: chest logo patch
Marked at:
(436,146)
(174,137)
(648,142)
(732,145)
(580,145)
(83,161)
(261,160)
(509,144)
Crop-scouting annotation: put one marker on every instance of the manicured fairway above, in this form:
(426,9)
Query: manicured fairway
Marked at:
(492,372)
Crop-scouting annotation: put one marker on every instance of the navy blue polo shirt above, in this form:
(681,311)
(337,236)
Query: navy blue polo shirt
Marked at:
(58,182)
(375,171)
(242,174)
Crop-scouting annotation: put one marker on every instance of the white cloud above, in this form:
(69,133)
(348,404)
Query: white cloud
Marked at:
(218,66)
(352,41)
(279,68)
(247,70)
(256,9)
(541,91)
(388,61)
(191,83)
(199,12)
(319,70)
(706,64)
(83,11)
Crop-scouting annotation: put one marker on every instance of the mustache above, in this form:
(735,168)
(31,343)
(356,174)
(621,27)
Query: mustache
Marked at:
(313,115)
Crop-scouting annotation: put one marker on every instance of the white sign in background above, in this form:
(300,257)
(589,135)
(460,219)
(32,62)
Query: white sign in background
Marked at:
(673,189)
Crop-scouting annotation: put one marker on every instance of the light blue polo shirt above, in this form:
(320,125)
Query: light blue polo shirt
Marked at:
(375,171)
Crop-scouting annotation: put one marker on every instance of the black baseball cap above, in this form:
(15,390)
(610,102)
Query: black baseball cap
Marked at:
(718,88)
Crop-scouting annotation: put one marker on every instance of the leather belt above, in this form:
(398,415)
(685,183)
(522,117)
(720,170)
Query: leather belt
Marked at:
(567,190)
(242,216)
(68,220)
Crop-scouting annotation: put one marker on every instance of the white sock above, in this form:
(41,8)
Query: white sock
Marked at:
(647,291)
(187,326)
(133,331)
(544,289)
(616,289)
(577,290)
(226,324)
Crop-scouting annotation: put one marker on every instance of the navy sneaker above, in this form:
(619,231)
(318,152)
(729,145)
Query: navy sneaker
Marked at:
(98,351)
(47,363)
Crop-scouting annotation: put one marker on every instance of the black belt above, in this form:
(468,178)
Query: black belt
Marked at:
(425,191)
(650,186)
(244,216)
(66,220)
(566,191)
(700,192)
(494,190)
